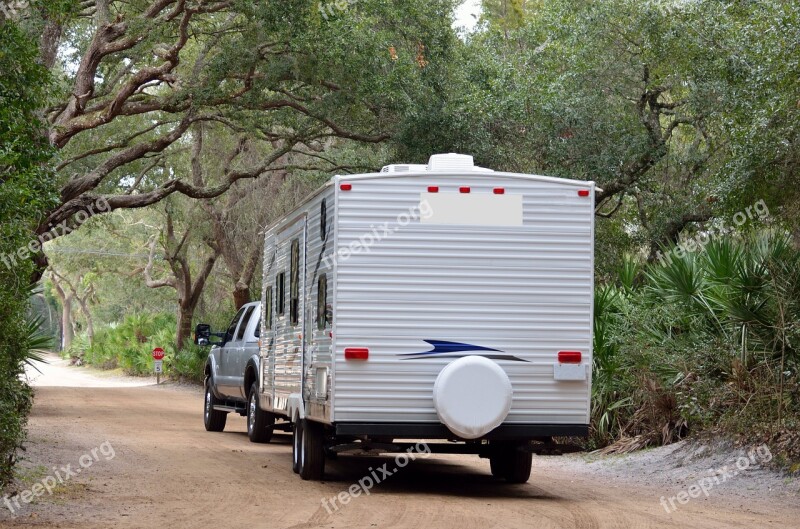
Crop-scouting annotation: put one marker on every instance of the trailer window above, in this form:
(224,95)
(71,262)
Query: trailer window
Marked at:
(245,323)
(294,287)
(268,308)
(323,219)
(322,302)
(280,291)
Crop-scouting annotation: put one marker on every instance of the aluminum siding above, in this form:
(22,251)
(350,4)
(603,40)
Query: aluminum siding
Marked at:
(525,291)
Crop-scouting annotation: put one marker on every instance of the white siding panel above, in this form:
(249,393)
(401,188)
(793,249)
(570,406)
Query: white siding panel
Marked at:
(523,291)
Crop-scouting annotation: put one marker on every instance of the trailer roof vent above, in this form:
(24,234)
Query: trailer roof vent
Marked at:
(451,162)
(454,163)
(403,168)
(438,163)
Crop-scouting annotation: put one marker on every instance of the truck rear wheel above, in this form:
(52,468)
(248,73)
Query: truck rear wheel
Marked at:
(312,451)
(214,420)
(259,422)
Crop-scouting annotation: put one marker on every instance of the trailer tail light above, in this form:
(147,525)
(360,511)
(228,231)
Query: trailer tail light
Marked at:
(463,189)
(569,357)
(499,191)
(433,189)
(583,192)
(346,187)
(356,353)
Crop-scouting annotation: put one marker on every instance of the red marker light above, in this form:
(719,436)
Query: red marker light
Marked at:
(433,189)
(356,353)
(499,191)
(569,357)
(346,187)
(463,189)
(583,192)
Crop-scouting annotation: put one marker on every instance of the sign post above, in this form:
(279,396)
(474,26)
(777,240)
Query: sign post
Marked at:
(158,363)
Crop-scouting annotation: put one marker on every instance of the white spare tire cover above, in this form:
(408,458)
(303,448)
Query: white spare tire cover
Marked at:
(472,396)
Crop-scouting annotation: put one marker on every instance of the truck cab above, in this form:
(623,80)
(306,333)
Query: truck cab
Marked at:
(232,373)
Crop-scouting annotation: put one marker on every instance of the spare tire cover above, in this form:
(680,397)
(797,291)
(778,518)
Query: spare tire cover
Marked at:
(472,396)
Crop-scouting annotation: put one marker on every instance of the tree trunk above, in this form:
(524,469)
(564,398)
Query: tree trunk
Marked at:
(67,332)
(67,329)
(241,296)
(89,321)
(184,332)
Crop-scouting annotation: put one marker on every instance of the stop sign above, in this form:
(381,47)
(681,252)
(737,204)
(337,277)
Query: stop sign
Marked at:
(158,353)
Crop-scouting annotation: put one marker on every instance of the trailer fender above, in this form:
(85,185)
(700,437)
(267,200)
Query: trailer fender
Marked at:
(297,410)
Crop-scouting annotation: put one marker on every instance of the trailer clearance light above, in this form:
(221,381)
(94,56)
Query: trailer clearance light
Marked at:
(346,187)
(356,353)
(463,189)
(433,189)
(499,191)
(569,357)
(583,192)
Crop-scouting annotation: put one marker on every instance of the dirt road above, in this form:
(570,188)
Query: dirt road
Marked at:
(167,471)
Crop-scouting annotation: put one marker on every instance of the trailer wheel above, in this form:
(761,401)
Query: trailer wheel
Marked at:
(511,462)
(498,464)
(312,451)
(297,433)
(214,420)
(259,422)
(518,465)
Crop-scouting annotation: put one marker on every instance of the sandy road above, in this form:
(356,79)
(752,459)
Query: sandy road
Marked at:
(168,472)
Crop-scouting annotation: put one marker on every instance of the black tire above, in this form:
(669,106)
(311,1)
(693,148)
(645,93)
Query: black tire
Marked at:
(312,451)
(511,462)
(519,464)
(498,462)
(259,422)
(214,420)
(297,433)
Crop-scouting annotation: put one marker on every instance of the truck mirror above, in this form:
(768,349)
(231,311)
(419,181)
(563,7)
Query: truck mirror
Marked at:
(202,333)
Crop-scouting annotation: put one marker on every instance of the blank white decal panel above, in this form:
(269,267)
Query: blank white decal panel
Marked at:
(475,209)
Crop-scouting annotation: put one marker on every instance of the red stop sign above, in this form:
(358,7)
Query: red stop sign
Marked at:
(158,353)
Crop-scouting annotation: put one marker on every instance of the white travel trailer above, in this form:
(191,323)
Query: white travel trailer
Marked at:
(440,302)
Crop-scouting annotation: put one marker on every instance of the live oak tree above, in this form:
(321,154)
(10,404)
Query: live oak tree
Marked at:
(136,76)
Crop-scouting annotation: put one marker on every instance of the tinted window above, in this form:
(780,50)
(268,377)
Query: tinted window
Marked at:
(268,307)
(245,322)
(323,218)
(322,302)
(234,323)
(294,288)
(280,293)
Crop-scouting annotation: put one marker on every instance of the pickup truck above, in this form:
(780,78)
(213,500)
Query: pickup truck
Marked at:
(231,374)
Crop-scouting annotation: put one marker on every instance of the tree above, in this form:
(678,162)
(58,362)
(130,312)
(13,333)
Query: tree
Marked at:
(147,71)
(189,285)
(26,193)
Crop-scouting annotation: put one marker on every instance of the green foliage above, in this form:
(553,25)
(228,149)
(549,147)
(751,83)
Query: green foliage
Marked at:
(129,346)
(707,342)
(26,190)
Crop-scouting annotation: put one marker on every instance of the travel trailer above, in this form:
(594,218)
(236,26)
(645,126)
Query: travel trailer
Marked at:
(439,302)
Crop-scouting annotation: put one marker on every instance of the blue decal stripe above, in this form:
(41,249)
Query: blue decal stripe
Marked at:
(441,346)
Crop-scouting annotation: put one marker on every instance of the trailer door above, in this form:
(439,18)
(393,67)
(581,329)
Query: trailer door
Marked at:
(289,312)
